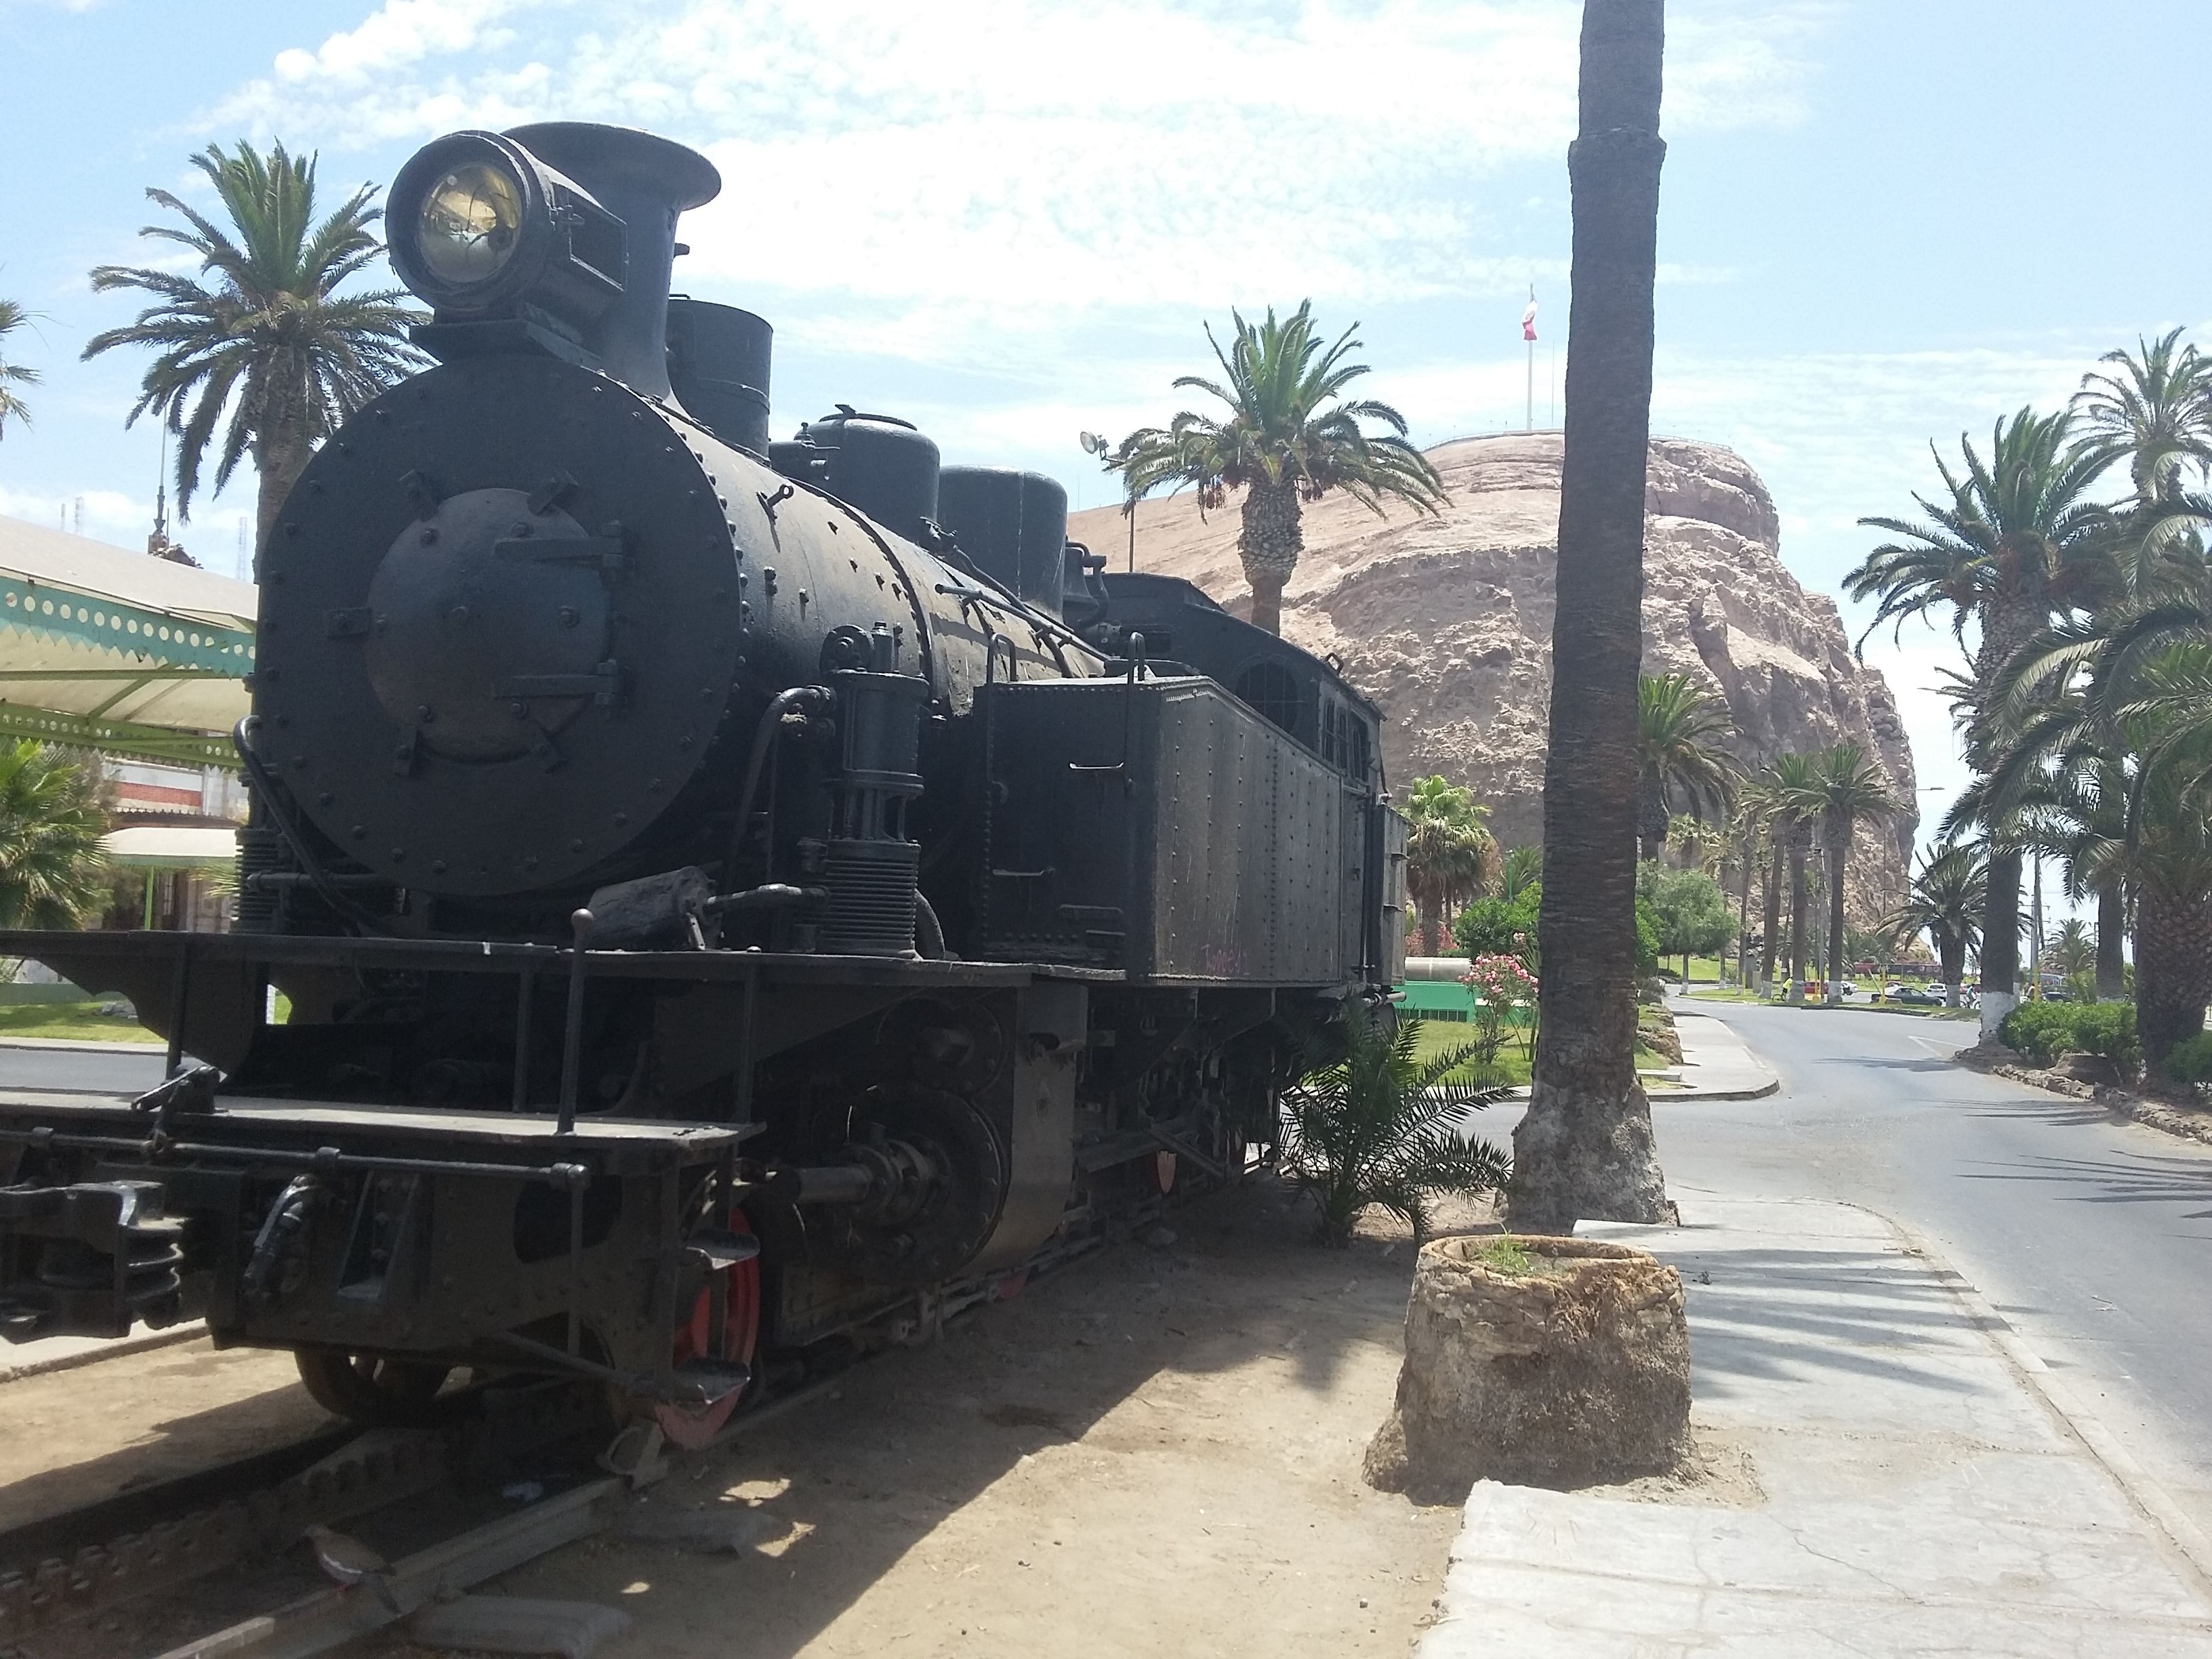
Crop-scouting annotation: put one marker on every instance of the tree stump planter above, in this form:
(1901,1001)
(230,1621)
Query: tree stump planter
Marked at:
(1574,1372)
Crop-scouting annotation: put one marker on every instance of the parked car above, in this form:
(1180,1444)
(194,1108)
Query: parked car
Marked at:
(1916,996)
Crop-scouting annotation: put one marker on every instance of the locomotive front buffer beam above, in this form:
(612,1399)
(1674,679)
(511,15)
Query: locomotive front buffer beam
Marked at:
(466,1239)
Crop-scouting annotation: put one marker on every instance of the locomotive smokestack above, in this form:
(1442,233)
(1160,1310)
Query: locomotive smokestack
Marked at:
(646,182)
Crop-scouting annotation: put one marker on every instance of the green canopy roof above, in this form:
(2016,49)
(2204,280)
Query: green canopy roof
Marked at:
(121,650)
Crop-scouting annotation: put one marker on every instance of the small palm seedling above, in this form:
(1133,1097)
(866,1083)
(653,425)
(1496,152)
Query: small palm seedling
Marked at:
(1375,1126)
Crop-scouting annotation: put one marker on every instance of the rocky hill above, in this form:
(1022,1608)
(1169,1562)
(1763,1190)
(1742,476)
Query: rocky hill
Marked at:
(1447,622)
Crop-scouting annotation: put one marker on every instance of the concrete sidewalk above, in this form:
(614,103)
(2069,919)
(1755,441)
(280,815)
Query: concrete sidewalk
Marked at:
(1926,1487)
(1717,1065)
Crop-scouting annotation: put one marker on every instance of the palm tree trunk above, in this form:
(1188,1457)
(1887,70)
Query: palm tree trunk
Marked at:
(1585,1147)
(1743,921)
(1951,955)
(1651,818)
(280,456)
(2112,932)
(2173,973)
(2001,942)
(1840,848)
(1798,898)
(1772,943)
(2005,628)
(1272,538)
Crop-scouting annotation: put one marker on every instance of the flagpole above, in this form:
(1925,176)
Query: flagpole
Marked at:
(1529,334)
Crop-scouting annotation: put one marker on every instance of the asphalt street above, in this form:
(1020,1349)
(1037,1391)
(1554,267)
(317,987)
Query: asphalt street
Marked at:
(2092,1237)
(26,1067)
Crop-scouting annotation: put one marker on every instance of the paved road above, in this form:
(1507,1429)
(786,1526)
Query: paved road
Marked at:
(79,1068)
(2094,1238)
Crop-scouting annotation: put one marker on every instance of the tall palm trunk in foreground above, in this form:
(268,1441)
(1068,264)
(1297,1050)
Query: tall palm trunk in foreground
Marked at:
(1585,1147)
(2111,934)
(2173,970)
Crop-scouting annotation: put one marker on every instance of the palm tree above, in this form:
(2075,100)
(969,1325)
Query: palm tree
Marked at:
(2129,691)
(1286,439)
(1700,846)
(12,375)
(1791,779)
(1585,1147)
(1946,900)
(1448,849)
(1521,868)
(1764,803)
(2065,783)
(53,871)
(1677,724)
(271,341)
(1844,788)
(2167,718)
(2070,948)
(2007,545)
(2154,412)
(1748,833)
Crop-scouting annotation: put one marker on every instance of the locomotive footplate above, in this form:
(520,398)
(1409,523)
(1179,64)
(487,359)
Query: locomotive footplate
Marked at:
(461,1236)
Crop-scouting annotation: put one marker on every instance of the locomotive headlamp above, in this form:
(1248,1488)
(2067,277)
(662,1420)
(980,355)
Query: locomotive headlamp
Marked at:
(470,222)
(481,230)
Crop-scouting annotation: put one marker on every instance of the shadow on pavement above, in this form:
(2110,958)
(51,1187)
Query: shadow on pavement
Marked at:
(2135,1179)
(1776,1314)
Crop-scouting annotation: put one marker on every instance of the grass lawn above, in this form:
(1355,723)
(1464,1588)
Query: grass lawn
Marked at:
(1514,1059)
(81,1021)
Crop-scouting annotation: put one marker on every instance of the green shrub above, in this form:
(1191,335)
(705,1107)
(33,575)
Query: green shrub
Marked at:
(2107,1029)
(2190,1060)
(2045,1030)
(1375,1125)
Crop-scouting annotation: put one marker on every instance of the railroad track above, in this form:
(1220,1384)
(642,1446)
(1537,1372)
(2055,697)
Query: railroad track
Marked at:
(92,1580)
(104,1580)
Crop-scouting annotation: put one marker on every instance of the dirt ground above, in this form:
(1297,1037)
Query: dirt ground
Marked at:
(72,1436)
(1155,1450)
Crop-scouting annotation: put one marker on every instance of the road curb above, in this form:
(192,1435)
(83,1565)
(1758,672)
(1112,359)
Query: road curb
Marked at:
(1757,1091)
(1771,1086)
(2153,1501)
(121,1347)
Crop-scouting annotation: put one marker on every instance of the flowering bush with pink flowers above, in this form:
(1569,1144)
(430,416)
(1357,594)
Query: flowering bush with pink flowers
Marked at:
(1497,983)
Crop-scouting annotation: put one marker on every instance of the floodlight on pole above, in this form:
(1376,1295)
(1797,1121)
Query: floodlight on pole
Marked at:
(1094,444)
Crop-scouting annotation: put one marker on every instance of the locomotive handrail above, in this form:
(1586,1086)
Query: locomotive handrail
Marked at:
(325,889)
(764,735)
(563,1176)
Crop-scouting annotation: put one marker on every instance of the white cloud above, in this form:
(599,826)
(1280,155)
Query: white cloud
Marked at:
(108,515)
(1058,154)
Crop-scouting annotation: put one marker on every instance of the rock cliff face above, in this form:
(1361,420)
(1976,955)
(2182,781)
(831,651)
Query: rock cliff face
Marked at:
(1447,622)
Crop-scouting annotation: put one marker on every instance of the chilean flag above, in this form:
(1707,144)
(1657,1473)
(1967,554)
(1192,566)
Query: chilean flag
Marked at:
(1529,319)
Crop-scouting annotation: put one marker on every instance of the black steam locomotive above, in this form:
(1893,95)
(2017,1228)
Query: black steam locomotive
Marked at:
(732,897)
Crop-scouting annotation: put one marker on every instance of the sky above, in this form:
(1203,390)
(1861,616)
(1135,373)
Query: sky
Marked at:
(1882,222)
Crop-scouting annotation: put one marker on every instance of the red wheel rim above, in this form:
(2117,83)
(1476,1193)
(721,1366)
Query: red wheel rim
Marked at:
(691,1426)
(741,1324)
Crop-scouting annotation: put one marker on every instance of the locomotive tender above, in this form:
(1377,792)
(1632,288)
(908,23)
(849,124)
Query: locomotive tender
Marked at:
(737,900)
